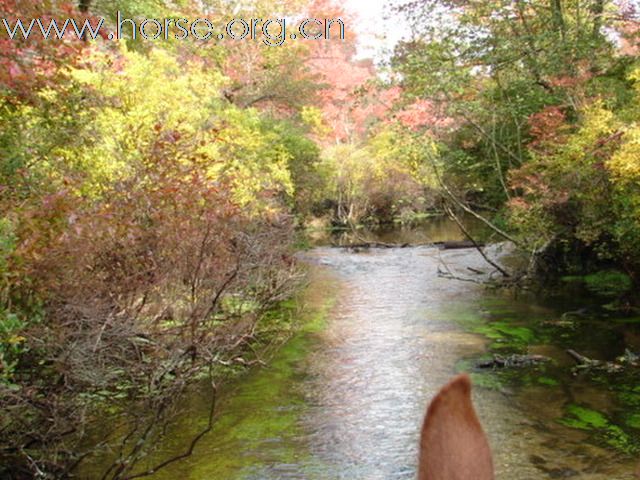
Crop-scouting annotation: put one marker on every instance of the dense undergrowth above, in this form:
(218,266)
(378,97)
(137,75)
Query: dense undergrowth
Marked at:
(149,191)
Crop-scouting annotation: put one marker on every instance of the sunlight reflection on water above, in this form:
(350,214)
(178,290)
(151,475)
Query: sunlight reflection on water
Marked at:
(347,403)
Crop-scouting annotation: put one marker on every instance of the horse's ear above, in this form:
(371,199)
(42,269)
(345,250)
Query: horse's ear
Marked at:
(453,445)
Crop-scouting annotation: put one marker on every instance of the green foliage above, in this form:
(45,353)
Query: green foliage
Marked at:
(10,325)
(8,242)
(548,381)
(584,187)
(11,344)
(389,177)
(303,158)
(545,119)
(634,421)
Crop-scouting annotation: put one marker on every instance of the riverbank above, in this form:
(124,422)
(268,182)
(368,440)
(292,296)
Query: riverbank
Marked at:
(397,331)
(280,338)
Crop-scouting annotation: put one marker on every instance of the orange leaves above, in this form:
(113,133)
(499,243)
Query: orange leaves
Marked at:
(26,65)
(547,128)
(344,109)
(423,113)
(347,101)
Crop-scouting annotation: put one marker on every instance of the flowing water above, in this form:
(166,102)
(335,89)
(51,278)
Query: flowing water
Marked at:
(345,401)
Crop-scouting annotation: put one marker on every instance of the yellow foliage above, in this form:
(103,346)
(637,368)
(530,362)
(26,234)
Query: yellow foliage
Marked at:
(312,117)
(152,96)
(397,149)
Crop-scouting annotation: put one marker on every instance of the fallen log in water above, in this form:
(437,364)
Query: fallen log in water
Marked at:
(455,244)
(367,245)
(446,245)
(512,361)
(629,359)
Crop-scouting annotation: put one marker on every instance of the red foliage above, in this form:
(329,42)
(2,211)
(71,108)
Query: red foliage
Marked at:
(27,65)
(423,113)
(351,101)
(547,128)
(343,77)
(347,102)
(628,27)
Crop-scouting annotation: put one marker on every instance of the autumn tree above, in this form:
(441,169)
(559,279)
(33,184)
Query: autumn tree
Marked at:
(145,231)
(532,90)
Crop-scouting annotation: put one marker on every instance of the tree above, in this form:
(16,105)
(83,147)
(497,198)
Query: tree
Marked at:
(491,65)
(145,231)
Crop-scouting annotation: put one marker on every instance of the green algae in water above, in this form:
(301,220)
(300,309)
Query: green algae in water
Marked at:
(610,283)
(493,379)
(548,381)
(507,336)
(633,421)
(487,380)
(584,418)
(630,395)
(627,320)
(501,378)
(512,329)
(598,424)
(465,317)
(607,283)
(260,417)
(259,410)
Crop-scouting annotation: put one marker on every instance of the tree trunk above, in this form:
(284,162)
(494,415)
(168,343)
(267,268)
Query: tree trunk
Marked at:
(597,9)
(558,17)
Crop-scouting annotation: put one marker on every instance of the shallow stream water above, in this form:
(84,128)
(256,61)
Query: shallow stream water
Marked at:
(345,401)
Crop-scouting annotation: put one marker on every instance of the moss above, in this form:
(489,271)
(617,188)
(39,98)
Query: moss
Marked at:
(629,395)
(510,335)
(487,380)
(584,418)
(264,406)
(572,279)
(548,381)
(627,321)
(607,283)
(511,328)
(633,421)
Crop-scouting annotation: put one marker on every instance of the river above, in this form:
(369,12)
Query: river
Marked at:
(344,399)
